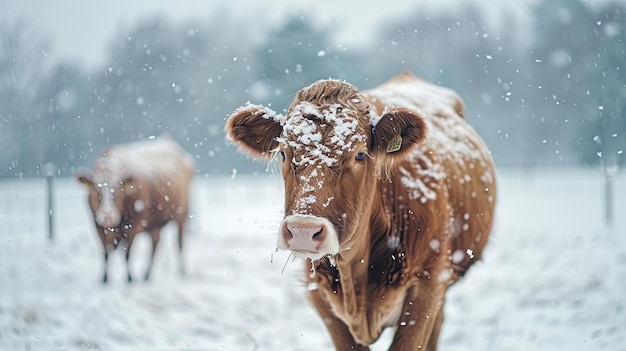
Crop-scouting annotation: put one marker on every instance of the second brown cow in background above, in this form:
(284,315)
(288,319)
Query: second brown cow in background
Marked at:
(138,187)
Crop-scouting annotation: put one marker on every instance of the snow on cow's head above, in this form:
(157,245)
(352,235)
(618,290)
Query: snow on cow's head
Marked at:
(258,131)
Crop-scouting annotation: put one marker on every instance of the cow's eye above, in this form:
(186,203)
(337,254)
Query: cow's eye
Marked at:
(360,156)
(282,155)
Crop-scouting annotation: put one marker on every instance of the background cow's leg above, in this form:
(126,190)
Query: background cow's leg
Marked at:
(423,303)
(181,234)
(105,248)
(129,246)
(130,278)
(105,277)
(154,234)
(339,332)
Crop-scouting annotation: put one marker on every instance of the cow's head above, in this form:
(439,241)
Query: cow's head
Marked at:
(331,145)
(106,195)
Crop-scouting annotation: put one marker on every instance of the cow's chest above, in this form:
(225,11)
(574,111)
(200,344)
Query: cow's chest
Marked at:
(377,307)
(385,306)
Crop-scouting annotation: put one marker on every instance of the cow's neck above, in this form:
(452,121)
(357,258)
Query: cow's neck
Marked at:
(353,266)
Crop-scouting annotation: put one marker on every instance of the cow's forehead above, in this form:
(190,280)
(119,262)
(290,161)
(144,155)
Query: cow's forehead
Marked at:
(322,133)
(105,179)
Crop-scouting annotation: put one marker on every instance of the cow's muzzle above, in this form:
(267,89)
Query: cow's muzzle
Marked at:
(308,236)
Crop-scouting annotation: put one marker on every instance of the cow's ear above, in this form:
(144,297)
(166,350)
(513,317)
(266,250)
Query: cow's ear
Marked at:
(254,130)
(397,131)
(84,175)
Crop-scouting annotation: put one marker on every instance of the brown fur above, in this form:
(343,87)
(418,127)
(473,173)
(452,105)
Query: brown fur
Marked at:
(163,195)
(256,136)
(401,246)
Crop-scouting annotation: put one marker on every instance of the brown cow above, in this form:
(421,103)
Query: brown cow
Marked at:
(389,196)
(138,187)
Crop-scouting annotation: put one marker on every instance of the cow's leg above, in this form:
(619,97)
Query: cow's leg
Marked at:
(105,277)
(154,234)
(434,336)
(130,278)
(423,304)
(339,332)
(181,236)
(130,237)
(105,248)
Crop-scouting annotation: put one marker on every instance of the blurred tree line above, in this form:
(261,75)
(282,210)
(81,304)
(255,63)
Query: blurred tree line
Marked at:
(550,92)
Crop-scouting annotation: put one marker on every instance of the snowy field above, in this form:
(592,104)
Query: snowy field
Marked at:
(553,276)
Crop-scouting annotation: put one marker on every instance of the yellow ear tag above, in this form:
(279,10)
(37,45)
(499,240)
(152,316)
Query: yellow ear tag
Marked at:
(394,144)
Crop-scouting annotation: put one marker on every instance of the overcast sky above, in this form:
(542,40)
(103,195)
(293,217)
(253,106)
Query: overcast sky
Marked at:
(81,29)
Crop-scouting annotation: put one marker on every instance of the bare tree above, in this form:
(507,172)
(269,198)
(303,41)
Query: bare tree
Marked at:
(23,51)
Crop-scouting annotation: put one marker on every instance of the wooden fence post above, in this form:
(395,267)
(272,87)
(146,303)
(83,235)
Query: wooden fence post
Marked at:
(609,178)
(49,170)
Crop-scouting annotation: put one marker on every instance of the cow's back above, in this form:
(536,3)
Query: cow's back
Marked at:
(158,160)
(451,174)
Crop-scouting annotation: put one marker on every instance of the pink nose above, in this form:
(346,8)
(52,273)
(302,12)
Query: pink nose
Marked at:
(304,234)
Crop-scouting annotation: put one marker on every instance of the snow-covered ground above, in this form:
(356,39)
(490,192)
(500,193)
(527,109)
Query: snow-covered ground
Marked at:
(553,277)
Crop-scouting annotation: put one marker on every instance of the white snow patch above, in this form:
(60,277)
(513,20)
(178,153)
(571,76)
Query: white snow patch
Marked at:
(416,186)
